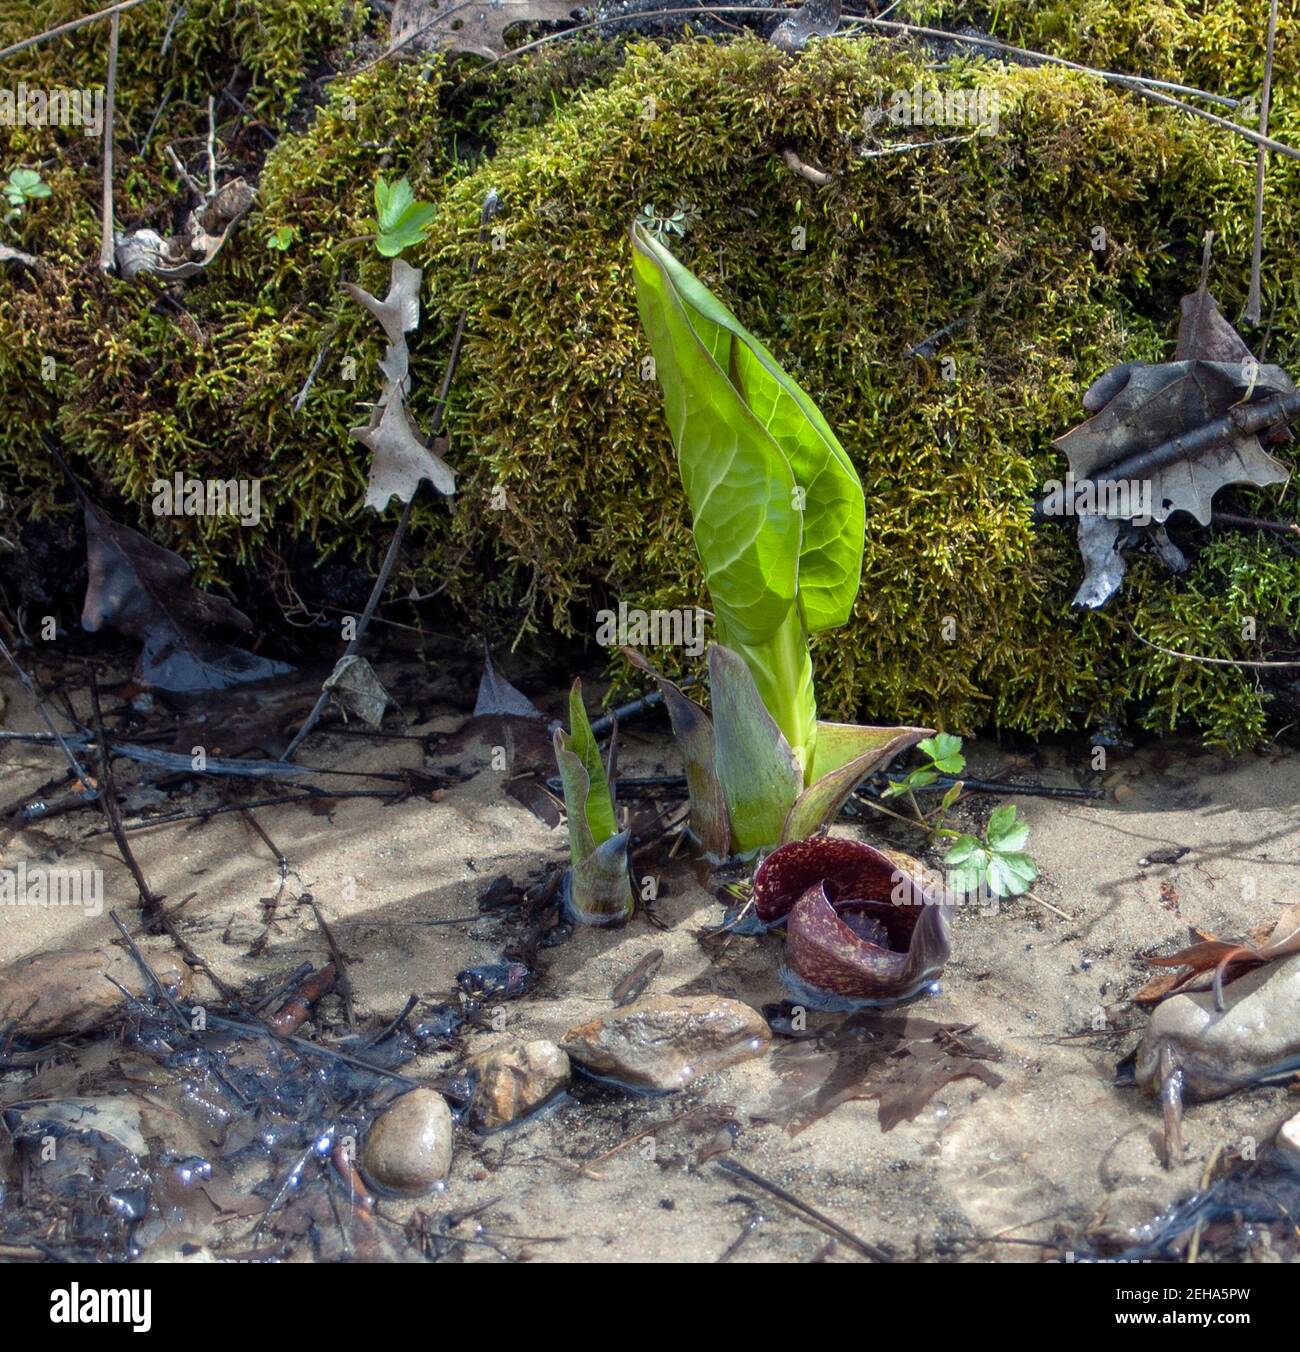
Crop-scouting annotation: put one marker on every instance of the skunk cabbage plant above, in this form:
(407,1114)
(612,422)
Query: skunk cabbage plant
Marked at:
(860,924)
(778,515)
(599,888)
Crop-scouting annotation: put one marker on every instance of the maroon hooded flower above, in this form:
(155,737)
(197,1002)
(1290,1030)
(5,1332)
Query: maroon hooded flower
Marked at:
(857,925)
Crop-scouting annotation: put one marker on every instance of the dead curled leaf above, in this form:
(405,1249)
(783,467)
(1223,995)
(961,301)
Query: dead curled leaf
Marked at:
(478,28)
(143,591)
(1138,408)
(188,253)
(1213,963)
(401,460)
(355,689)
(901,1061)
(815,19)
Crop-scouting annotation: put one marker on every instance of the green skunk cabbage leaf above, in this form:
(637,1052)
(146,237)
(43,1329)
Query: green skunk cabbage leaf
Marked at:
(739,484)
(759,774)
(599,805)
(577,790)
(844,756)
(693,733)
(600,890)
(745,433)
(782,671)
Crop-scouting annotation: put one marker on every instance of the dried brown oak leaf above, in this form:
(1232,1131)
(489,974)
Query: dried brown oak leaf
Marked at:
(143,591)
(401,459)
(1138,407)
(480,28)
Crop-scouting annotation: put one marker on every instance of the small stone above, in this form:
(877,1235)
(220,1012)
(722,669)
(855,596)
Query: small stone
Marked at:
(408,1146)
(1288,1141)
(514,1080)
(664,1042)
(67,991)
(1255,1038)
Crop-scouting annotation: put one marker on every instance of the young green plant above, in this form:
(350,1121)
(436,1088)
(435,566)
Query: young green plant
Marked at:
(998,862)
(778,516)
(21,187)
(600,888)
(401,220)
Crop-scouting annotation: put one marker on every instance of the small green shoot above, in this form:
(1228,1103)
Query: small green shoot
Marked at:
(402,220)
(282,239)
(21,187)
(663,228)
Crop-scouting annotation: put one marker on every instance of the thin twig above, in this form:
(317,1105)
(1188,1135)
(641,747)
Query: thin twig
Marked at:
(111,12)
(863,1246)
(1139,84)
(343,981)
(44,713)
(1143,83)
(1254,523)
(1251,313)
(818,177)
(107,256)
(1211,661)
(1046,905)
(185,174)
(300,398)
(151,905)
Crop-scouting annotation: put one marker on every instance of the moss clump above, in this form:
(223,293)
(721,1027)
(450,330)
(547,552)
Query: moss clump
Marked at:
(963,619)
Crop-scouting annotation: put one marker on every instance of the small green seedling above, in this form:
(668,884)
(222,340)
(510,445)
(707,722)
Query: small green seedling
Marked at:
(663,228)
(600,887)
(21,187)
(998,861)
(281,238)
(943,757)
(401,219)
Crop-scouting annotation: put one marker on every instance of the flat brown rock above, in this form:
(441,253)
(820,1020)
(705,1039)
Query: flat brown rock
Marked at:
(665,1042)
(69,991)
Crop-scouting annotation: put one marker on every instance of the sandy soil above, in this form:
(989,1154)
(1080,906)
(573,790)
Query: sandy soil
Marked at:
(1055,1149)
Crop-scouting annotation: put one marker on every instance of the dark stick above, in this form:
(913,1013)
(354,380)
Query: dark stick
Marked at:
(148,972)
(150,904)
(55,734)
(604,724)
(214,765)
(1255,523)
(343,981)
(204,813)
(228,994)
(677,784)
(490,207)
(1241,420)
(863,1246)
(411,1002)
(300,1044)
(276,853)
(381,584)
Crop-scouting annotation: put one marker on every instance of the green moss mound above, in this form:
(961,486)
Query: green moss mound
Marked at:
(569,498)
